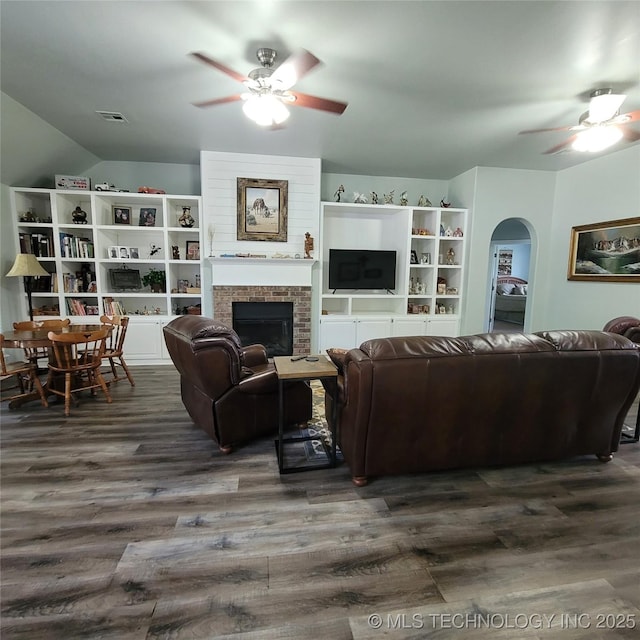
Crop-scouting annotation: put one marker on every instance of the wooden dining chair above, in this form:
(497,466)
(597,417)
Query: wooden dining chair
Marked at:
(25,374)
(34,354)
(77,357)
(115,346)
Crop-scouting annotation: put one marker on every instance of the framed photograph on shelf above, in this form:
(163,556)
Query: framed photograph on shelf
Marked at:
(193,250)
(262,209)
(121,215)
(113,252)
(134,254)
(147,217)
(605,251)
(123,252)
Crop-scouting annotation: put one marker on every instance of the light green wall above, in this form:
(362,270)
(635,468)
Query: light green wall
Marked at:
(606,188)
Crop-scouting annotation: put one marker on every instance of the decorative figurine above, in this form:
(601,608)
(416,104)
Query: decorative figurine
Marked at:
(308,245)
(339,191)
(448,232)
(79,216)
(175,252)
(404,201)
(451,256)
(457,233)
(441,229)
(373,197)
(359,198)
(424,202)
(444,204)
(388,197)
(185,220)
(153,249)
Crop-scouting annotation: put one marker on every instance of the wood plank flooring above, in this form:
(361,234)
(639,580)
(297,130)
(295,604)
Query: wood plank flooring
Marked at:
(124,522)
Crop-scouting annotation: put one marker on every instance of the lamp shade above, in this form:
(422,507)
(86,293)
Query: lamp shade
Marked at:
(26,264)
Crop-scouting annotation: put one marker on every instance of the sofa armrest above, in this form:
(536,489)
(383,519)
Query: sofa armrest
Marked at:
(254,354)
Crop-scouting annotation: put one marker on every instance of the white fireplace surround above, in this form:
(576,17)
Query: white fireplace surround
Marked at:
(277,272)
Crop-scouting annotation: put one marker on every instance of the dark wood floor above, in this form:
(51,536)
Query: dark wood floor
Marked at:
(124,522)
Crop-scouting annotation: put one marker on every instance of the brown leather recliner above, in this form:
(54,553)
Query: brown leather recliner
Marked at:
(230,391)
(626,326)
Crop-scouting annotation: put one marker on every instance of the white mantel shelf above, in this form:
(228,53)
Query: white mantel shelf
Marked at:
(238,271)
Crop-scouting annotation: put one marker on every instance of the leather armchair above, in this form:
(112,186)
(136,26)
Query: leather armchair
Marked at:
(626,326)
(230,391)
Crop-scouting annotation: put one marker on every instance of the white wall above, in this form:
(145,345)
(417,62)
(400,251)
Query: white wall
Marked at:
(30,147)
(182,179)
(606,188)
(220,172)
(499,194)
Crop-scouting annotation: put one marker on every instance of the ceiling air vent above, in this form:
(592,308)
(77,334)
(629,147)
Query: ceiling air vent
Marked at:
(112,116)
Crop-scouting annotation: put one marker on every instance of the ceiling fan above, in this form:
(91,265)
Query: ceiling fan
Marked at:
(600,127)
(269,89)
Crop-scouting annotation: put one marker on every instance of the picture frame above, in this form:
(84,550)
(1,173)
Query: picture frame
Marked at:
(123,253)
(134,254)
(193,250)
(605,251)
(121,215)
(262,209)
(113,253)
(414,256)
(147,217)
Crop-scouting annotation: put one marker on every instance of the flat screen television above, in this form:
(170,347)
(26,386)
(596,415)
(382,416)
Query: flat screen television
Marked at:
(125,279)
(362,269)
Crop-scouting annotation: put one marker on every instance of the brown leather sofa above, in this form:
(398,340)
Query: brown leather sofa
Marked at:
(230,391)
(416,404)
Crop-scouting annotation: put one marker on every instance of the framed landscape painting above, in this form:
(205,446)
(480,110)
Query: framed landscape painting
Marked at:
(262,210)
(606,251)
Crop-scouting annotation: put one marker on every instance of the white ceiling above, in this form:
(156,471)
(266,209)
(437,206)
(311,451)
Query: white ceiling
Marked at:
(434,88)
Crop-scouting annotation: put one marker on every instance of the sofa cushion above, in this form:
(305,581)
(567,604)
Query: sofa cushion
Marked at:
(585,340)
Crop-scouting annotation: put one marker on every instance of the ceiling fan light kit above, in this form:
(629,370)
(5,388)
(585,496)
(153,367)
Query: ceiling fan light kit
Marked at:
(598,128)
(268,88)
(596,139)
(265,110)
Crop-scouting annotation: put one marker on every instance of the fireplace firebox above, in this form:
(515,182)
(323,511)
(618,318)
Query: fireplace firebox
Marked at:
(266,323)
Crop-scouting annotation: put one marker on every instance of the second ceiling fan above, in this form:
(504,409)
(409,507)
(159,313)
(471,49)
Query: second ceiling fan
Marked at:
(600,127)
(269,90)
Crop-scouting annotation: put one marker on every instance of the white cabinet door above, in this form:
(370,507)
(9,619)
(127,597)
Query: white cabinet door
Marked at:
(448,327)
(143,341)
(372,328)
(337,333)
(409,326)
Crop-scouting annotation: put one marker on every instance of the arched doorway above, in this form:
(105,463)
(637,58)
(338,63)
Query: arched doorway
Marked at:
(510,276)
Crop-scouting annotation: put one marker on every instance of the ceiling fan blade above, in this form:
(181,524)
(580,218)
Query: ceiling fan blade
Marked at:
(632,116)
(631,135)
(313,102)
(218,65)
(571,128)
(562,145)
(296,66)
(215,101)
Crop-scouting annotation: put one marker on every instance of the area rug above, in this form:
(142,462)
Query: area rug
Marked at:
(314,450)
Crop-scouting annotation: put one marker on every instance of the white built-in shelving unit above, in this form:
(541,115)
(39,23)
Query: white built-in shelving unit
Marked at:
(79,258)
(430,252)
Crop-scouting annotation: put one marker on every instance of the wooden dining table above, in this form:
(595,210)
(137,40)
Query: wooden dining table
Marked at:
(29,339)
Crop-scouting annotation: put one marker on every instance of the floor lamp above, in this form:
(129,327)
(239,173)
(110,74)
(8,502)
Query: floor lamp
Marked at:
(27,266)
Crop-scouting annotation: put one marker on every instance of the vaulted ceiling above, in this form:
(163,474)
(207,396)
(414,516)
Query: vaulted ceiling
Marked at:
(434,88)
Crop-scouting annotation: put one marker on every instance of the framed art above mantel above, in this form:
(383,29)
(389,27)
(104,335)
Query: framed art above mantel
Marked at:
(606,251)
(262,210)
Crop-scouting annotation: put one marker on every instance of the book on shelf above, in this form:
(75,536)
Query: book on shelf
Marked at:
(113,307)
(75,247)
(39,244)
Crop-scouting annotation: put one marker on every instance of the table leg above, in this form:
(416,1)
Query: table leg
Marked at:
(280,425)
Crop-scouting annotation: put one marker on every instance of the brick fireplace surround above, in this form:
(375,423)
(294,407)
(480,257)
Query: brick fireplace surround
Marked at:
(223,296)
